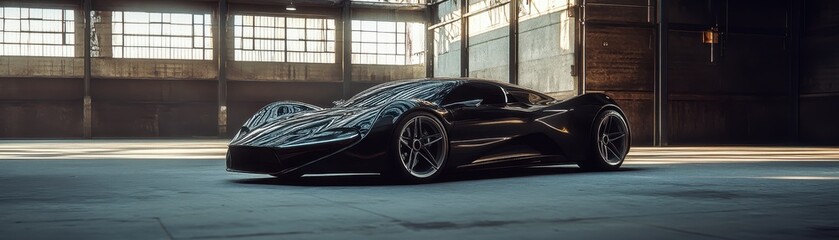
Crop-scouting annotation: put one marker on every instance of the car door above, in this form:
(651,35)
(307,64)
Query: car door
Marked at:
(481,119)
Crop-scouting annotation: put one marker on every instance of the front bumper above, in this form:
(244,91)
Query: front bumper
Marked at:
(282,160)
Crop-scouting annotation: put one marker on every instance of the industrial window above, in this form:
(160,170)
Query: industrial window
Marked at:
(388,43)
(283,39)
(394,1)
(496,16)
(540,7)
(36,32)
(162,35)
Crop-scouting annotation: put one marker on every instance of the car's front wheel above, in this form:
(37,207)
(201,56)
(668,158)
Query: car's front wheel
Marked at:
(610,142)
(421,146)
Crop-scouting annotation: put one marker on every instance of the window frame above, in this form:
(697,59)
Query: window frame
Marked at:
(402,55)
(67,32)
(501,94)
(328,43)
(164,33)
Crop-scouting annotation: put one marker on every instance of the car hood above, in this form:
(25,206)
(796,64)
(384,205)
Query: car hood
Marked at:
(309,127)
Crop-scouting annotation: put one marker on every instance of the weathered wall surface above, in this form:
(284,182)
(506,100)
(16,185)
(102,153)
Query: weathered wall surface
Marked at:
(819,86)
(545,44)
(620,59)
(547,65)
(41,107)
(741,97)
(489,52)
(447,40)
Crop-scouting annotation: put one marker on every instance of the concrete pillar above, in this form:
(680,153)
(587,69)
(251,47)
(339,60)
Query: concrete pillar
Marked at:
(581,83)
(464,39)
(514,42)
(429,44)
(221,58)
(661,93)
(796,28)
(86,104)
(346,53)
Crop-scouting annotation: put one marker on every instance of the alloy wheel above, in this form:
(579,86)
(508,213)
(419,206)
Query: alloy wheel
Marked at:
(612,138)
(423,146)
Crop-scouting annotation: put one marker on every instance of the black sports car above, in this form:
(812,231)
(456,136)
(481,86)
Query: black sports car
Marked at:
(417,129)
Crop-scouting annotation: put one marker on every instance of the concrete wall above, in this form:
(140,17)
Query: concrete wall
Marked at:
(547,65)
(489,54)
(385,73)
(489,41)
(546,44)
(447,40)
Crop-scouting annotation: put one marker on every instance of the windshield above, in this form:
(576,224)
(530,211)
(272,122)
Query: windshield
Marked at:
(428,90)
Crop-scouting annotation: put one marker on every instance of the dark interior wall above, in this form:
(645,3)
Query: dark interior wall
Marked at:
(41,107)
(620,58)
(127,108)
(743,96)
(819,86)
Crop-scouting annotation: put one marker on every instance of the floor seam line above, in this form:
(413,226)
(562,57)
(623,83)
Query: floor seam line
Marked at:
(165,230)
(687,232)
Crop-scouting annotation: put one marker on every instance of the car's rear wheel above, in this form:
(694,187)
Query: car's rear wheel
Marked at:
(421,146)
(610,142)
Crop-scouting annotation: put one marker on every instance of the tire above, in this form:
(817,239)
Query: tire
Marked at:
(609,144)
(419,158)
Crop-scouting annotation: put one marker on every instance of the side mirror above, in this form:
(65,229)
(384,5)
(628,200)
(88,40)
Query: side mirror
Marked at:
(339,102)
(462,104)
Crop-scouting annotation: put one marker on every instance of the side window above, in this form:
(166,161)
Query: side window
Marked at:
(525,96)
(489,94)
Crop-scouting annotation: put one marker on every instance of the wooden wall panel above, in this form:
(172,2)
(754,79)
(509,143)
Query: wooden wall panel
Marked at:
(727,120)
(750,64)
(818,120)
(742,97)
(620,59)
(639,112)
(636,11)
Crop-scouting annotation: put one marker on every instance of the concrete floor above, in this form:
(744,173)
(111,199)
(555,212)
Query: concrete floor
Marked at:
(110,189)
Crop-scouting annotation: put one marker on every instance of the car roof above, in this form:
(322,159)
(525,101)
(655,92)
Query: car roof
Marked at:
(465,79)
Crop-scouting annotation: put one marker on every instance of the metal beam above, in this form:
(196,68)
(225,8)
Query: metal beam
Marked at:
(429,44)
(221,58)
(87,109)
(464,39)
(514,42)
(581,80)
(346,50)
(796,29)
(661,96)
